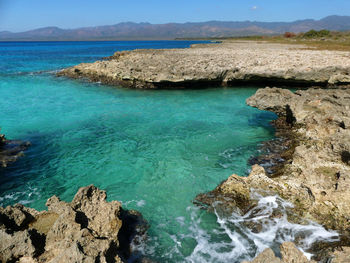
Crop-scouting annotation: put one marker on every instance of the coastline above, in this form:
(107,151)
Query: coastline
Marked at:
(314,173)
(223,64)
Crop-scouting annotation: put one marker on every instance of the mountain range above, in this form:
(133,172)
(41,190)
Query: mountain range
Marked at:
(147,31)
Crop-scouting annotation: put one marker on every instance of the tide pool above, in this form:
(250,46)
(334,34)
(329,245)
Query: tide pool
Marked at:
(153,150)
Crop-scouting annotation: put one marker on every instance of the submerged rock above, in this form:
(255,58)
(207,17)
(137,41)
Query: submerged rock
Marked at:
(88,229)
(11,150)
(224,64)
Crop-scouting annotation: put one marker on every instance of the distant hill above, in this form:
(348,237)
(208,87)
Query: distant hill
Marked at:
(211,29)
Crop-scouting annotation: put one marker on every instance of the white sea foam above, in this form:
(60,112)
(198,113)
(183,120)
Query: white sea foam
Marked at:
(22,197)
(216,238)
(141,203)
(245,243)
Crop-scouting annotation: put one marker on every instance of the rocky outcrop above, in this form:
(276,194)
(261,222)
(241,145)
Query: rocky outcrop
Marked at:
(224,64)
(11,150)
(289,254)
(320,164)
(315,175)
(88,229)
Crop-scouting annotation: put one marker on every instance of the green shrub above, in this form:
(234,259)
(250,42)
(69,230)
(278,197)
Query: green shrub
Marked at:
(316,34)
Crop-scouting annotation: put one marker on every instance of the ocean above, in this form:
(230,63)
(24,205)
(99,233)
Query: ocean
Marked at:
(153,150)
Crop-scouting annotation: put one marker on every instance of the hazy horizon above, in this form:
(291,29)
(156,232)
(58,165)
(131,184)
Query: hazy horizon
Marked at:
(22,15)
(146,22)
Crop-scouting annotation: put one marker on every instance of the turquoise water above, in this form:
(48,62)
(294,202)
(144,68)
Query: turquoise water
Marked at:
(152,150)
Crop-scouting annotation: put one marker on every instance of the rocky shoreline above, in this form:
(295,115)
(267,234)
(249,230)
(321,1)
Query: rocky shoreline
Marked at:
(309,165)
(88,229)
(224,64)
(315,173)
(312,172)
(11,150)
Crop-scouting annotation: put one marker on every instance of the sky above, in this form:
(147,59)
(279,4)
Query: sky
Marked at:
(22,15)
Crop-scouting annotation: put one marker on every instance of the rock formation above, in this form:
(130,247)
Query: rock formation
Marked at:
(88,229)
(228,63)
(11,150)
(289,254)
(315,176)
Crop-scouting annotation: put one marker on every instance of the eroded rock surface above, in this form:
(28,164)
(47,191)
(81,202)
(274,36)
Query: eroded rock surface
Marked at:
(289,254)
(88,229)
(315,176)
(11,150)
(219,64)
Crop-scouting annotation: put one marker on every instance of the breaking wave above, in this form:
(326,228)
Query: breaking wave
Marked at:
(236,238)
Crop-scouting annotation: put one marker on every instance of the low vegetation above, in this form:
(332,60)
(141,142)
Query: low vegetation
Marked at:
(322,40)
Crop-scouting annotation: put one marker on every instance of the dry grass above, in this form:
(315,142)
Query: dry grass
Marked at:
(333,41)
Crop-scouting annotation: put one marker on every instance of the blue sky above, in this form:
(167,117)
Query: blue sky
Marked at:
(20,15)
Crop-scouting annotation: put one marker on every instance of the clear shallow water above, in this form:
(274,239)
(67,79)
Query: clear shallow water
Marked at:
(152,150)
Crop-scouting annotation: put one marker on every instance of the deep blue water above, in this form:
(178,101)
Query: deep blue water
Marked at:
(153,150)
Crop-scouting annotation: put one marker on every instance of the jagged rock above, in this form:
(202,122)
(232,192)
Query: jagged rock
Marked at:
(89,229)
(267,256)
(320,162)
(16,217)
(316,174)
(103,217)
(289,254)
(342,255)
(235,192)
(227,63)
(16,245)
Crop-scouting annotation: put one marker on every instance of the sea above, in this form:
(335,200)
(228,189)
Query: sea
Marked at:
(153,150)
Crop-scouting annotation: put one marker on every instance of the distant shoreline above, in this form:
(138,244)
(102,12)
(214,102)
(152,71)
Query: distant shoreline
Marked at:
(170,31)
(121,40)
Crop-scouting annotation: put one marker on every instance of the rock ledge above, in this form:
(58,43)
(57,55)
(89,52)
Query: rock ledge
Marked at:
(228,63)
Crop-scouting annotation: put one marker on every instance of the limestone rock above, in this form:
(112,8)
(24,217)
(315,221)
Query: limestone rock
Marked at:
(89,229)
(16,217)
(16,245)
(289,254)
(342,255)
(267,256)
(236,191)
(102,215)
(316,174)
(320,162)
(277,100)
(228,63)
